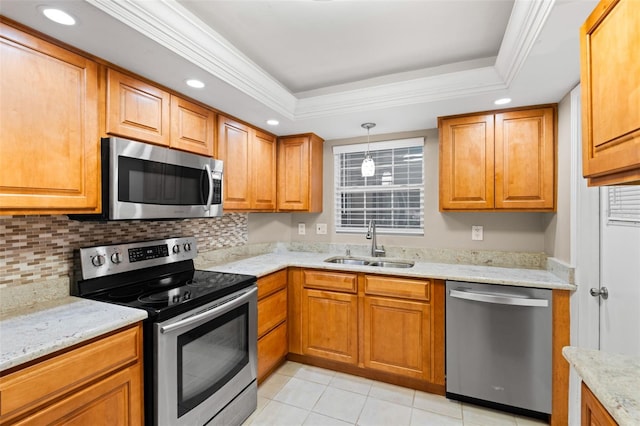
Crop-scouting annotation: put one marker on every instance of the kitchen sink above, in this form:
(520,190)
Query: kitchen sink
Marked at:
(391,264)
(348,260)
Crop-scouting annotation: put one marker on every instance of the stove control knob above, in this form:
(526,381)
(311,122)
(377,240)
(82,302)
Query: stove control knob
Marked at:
(176,249)
(116,258)
(187,246)
(97,260)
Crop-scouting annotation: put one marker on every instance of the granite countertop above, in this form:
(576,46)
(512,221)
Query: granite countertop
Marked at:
(613,378)
(267,263)
(51,326)
(48,327)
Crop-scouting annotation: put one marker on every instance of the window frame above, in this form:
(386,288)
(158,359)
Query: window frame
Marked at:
(398,189)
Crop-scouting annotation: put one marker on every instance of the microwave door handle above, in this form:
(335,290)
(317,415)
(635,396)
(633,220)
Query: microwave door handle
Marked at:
(207,169)
(212,312)
(498,299)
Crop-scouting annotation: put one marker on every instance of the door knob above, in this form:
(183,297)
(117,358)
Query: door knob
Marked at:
(602,291)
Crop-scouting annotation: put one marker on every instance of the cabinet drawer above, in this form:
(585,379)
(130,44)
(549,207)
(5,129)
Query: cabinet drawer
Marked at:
(396,287)
(272,348)
(272,310)
(40,383)
(325,280)
(272,283)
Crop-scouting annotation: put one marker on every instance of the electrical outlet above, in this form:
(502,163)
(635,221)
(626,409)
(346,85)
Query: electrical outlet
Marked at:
(302,229)
(321,228)
(477,233)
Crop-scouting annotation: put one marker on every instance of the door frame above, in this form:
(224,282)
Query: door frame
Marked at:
(585,255)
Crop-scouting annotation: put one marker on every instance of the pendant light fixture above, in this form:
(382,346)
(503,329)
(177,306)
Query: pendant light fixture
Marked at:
(368,166)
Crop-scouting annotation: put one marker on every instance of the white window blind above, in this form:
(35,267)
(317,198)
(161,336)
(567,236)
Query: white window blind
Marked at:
(393,197)
(624,204)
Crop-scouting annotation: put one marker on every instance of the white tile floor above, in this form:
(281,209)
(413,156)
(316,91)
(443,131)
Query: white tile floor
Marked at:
(298,394)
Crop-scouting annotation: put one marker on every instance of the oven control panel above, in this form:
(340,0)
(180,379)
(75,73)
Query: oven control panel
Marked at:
(113,259)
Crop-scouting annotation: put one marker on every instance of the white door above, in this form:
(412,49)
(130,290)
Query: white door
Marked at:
(620,269)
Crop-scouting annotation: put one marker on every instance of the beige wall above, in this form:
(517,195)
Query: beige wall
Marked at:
(558,225)
(520,232)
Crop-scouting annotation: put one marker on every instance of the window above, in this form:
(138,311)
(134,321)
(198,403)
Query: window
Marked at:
(623,205)
(393,197)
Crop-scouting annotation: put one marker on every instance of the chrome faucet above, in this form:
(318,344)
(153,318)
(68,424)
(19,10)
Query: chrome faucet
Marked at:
(371,235)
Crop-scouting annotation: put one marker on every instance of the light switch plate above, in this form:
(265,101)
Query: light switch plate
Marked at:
(321,228)
(302,229)
(477,232)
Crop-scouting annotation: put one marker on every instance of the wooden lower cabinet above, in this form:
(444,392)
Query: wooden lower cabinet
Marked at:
(330,325)
(99,383)
(593,412)
(396,336)
(272,322)
(379,326)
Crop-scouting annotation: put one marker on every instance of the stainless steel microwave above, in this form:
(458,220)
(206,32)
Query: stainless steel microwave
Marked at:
(143,181)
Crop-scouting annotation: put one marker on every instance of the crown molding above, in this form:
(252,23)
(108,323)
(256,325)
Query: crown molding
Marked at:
(174,27)
(525,23)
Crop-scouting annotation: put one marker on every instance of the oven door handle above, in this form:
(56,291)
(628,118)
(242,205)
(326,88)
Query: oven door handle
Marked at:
(212,312)
(207,169)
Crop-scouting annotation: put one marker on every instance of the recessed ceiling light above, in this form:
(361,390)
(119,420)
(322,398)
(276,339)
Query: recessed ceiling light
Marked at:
(273,122)
(58,16)
(502,101)
(195,83)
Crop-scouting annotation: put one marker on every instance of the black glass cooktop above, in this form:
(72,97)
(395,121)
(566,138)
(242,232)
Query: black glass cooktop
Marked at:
(175,293)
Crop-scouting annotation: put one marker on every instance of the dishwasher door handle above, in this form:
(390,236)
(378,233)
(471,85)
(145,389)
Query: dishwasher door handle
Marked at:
(498,299)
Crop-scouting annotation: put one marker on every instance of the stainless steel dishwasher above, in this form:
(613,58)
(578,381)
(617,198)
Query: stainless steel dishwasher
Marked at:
(498,346)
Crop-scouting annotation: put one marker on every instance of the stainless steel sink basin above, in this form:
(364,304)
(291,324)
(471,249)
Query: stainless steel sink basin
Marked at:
(348,260)
(391,264)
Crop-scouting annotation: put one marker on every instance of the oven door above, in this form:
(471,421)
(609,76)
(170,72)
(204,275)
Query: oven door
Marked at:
(153,182)
(204,359)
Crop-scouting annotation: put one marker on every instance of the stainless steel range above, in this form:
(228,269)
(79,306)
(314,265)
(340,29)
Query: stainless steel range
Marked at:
(200,338)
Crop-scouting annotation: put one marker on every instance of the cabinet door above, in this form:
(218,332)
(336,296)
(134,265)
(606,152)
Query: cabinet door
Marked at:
(397,336)
(272,310)
(467,163)
(593,412)
(137,110)
(113,401)
(192,127)
(272,349)
(293,173)
(263,156)
(525,159)
(610,77)
(330,325)
(49,147)
(234,150)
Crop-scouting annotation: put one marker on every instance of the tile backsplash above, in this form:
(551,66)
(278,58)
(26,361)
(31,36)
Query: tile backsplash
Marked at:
(39,248)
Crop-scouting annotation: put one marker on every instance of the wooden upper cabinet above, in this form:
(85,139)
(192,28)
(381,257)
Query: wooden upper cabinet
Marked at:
(525,153)
(466,163)
(249,156)
(502,160)
(49,146)
(610,81)
(300,173)
(192,127)
(137,110)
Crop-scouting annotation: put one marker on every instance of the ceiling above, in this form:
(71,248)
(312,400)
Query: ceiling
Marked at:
(329,66)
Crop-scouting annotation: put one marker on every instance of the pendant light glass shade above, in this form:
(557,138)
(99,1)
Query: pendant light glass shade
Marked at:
(368,166)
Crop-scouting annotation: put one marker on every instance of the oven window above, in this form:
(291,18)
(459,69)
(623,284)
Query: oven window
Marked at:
(210,355)
(151,182)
